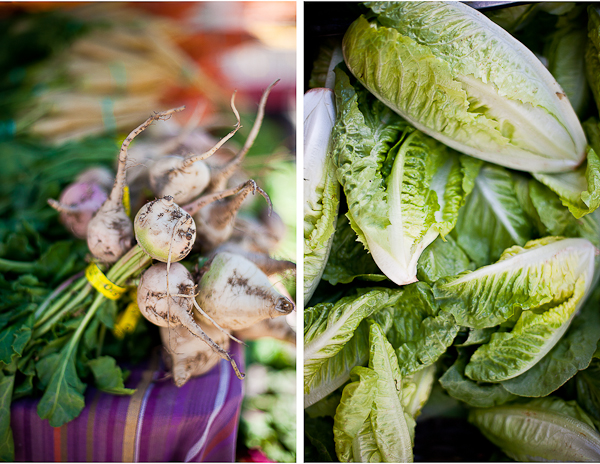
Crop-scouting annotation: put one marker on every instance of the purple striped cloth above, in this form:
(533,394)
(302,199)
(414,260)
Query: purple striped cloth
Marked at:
(159,423)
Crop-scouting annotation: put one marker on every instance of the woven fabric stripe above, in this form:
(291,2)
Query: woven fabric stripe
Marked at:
(169,421)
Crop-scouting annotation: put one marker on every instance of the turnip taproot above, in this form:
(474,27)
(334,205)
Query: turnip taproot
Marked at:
(237,294)
(215,220)
(110,232)
(187,355)
(221,174)
(185,177)
(77,205)
(165,297)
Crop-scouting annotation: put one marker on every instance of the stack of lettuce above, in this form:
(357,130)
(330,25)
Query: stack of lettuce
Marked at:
(451,237)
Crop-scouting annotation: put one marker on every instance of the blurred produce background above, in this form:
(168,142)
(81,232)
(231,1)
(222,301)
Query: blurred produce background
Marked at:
(75,78)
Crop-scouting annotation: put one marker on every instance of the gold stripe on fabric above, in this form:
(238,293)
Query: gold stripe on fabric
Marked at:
(89,438)
(133,410)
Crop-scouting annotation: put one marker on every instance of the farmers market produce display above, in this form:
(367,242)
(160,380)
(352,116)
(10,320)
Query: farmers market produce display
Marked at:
(178,233)
(452,233)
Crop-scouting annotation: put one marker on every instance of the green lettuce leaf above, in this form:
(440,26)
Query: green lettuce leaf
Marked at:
(348,259)
(565,51)
(328,329)
(403,188)
(571,354)
(588,390)
(354,409)
(416,328)
(442,258)
(544,429)
(541,275)
(592,52)
(321,189)
(579,190)
(476,394)
(462,79)
(392,426)
(510,354)
(492,219)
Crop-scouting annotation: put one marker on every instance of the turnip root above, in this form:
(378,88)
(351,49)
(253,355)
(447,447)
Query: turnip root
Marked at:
(277,328)
(165,297)
(219,175)
(189,356)
(110,232)
(77,205)
(236,294)
(215,221)
(164,230)
(185,177)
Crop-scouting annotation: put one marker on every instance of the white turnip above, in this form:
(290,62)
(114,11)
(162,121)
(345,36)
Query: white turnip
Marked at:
(110,232)
(165,297)
(185,177)
(189,356)
(164,230)
(237,294)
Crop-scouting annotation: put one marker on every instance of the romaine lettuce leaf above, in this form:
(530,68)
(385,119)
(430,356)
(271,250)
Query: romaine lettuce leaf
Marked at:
(462,79)
(442,258)
(571,354)
(348,259)
(476,394)
(328,329)
(544,429)
(321,189)
(371,424)
(541,275)
(416,327)
(492,219)
(403,188)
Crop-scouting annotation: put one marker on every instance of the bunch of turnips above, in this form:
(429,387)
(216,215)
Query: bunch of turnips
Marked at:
(194,210)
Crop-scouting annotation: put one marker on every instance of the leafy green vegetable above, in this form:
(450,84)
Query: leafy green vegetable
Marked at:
(328,357)
(462,79)
(108,376)
(545,429)
(571,354)
(476,394)
(417,328)
(348,259)
(540,275)
(492,219)
(403,188)
(321,189)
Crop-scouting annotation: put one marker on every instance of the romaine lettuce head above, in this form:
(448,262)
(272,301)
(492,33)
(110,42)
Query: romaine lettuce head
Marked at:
(321,189)
(545,429)
(458,77)
(541,275)
(403,188)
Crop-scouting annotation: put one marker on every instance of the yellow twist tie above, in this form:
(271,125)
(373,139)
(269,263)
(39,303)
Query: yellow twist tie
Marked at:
(101,283)
(128,319)
(126,200)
